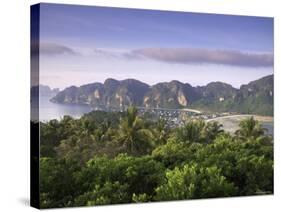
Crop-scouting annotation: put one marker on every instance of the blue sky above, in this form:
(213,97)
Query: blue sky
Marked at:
(81,44)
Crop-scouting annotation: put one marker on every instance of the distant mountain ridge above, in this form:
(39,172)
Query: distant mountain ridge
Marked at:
(255,97)
(43,90)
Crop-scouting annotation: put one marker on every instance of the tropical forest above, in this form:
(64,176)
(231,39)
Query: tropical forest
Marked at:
(128,157)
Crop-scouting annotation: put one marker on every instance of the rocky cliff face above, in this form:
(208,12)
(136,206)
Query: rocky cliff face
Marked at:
(172,94)
(255,97)
(110,94)
(43,90)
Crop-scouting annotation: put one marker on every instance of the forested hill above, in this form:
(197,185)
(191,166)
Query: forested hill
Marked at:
(255,97)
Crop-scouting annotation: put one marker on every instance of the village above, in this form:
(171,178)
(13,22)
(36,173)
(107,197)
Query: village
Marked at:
(177,117)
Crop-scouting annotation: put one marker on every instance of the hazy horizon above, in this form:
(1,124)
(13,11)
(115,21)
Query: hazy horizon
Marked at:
(85,44)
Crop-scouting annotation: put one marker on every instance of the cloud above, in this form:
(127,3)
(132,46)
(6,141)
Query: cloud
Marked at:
(107,53)
(168,55)
(198,56)
(55,49)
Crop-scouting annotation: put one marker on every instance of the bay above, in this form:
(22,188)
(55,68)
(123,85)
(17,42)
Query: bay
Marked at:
(49,110)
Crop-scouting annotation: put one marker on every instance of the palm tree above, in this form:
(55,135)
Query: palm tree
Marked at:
(132,135)
(191,132)
(161,132)
(87,127)
(211,130)
(250,129)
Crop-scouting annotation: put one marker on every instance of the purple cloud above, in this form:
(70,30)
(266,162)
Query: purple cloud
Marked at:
(55,49)
(171,55)
(192,55)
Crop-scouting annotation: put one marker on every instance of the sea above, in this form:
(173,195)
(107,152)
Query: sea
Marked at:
(49,110)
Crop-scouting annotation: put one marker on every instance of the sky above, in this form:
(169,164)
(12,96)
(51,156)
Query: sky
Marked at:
(85,44)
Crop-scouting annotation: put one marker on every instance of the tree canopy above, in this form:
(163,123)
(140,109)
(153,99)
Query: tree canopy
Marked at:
(113,157)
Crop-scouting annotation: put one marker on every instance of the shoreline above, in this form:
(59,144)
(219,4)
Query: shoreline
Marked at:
(239,117)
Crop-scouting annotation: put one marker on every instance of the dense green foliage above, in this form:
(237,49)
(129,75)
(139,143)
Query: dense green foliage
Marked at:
(112,157)
(255,97)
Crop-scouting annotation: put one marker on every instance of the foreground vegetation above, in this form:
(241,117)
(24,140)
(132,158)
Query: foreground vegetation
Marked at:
(110,158)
